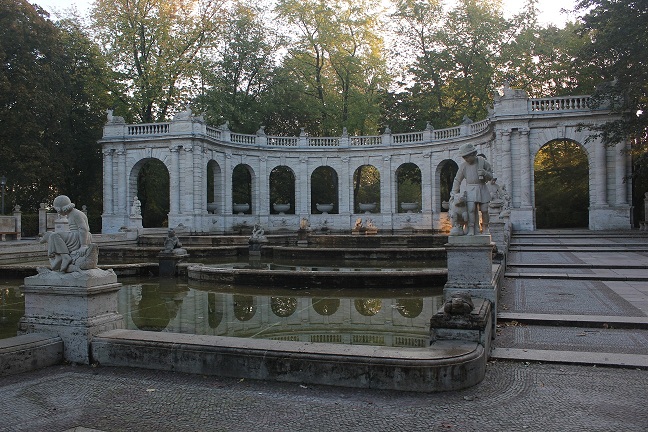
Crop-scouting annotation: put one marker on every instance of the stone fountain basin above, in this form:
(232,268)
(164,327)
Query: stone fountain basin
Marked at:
(306,276)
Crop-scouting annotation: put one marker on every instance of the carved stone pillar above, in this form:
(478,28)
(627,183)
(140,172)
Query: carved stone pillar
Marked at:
(600,174)
(174,185)
(507,173)
(526,169)
(108,192)
(620,163)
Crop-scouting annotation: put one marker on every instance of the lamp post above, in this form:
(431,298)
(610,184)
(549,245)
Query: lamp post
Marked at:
(3,183)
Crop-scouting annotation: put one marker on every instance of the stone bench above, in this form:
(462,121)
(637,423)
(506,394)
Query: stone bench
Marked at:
(8,228)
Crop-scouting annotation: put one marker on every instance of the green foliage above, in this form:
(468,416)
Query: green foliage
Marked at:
(241,185)
(561,186)
(282,187)
(408,180)
(366,186)
(153,193)
(154,49)
(51,104)
(615,50)
(324,188)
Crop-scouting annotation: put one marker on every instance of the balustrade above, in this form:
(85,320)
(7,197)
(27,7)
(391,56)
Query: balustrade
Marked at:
(148,129)
(570,103)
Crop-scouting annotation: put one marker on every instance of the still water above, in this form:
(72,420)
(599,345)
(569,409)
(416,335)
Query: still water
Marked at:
(377,316)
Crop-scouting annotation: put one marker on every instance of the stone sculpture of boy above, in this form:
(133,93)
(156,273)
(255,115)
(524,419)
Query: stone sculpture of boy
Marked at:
(477,172)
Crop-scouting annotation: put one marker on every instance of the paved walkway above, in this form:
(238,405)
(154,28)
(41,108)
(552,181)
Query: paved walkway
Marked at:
(513,397)
(575,296)
(578,298)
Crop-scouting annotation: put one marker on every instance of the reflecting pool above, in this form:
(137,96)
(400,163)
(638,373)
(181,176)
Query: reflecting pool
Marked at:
(396,316)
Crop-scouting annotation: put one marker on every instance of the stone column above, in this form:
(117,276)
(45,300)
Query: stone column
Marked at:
(74,306)
(302,188)
(388,205)
(185,180)
(620,173)
(227,184)
(263,181)
(526,169)
(42,219)
(108,182)
(199,182)
(122,186)
(600,174)
(174,189)
(428,195)
(346,184)
(505,157)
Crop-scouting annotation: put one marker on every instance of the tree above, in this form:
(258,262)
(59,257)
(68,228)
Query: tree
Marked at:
(237,80)
(154,49)
(51,101)
(337,59)
(561,186)
(615,32)
(455,56)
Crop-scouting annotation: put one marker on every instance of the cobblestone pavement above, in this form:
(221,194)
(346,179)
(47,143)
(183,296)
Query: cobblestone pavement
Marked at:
(514,396)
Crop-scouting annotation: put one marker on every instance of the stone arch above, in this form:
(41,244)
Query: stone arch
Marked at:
(149,180)
(326,306)
(281,183)
(215,187)
(443,178)
(366,188)
(283,307)
(324,189)
(244,188)
(563,185)
(408,186)
(245,306)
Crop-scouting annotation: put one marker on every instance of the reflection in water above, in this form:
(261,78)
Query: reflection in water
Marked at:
(244,308)
(368,307)
(283,306)
(410,308)
(391,317)
(157,304)
(12,308)
(326,306)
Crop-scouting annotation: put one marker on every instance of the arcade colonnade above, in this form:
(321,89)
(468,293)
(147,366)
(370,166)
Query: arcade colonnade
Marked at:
(516,129)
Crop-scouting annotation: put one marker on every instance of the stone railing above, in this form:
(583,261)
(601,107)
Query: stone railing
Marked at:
(148,129)
(567,103)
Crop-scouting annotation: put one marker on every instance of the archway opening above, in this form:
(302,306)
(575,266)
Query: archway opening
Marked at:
(282,190)
(153,192)
(214,187)
(366,188)
(242,188)
(561,172)
(408,184)
(324,189)
(447,173)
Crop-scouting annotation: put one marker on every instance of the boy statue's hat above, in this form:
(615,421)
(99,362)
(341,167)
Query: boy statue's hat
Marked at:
(467,149)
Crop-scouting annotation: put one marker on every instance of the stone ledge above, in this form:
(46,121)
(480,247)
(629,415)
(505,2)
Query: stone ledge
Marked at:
(29,352)
(449,365)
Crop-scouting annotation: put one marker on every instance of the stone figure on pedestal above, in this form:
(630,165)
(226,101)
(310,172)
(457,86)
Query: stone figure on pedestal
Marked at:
(136,208)
(72,250)
(476,171)
(172,244)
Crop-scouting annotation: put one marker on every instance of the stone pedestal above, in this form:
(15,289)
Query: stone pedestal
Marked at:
(474,326)
(74,306)
(470,268)
(135,222)
(169,260)
(302,238)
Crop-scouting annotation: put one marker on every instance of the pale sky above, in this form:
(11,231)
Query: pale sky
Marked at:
(550,10)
